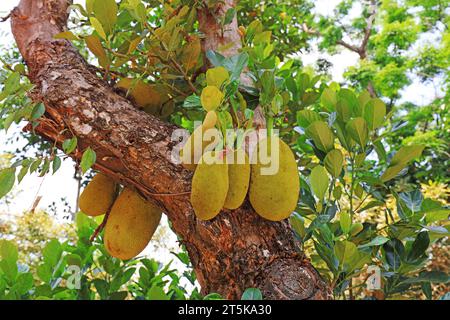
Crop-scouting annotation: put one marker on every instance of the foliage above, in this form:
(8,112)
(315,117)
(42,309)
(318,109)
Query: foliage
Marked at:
(83,270)
(361,157)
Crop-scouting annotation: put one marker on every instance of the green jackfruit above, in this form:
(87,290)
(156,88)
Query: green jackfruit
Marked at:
(209,187)
(98,196)
(130,225)
(274,195)
(238,178)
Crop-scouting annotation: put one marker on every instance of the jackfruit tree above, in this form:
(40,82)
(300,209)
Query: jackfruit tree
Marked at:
(113,94)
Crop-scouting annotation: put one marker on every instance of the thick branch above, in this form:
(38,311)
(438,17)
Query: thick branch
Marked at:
(232,252)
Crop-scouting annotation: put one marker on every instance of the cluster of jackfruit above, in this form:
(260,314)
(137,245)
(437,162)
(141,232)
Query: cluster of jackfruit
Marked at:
(222,179)
(132,221)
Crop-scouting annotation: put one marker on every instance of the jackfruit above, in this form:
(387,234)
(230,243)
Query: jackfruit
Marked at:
(274,193)
(211,98)
(98,196)
(238,178)
(205,136)
(209,187)
(130,225)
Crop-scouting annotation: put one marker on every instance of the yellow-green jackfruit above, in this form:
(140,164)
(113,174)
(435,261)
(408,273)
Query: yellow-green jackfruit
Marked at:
(98,196)
(209,187)
(130,225)
(274,193)
(205,136)
(238,178)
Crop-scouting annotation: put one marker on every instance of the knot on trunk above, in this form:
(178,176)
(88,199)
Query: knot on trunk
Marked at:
(290,279)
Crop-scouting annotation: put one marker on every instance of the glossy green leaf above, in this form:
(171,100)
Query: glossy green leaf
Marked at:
(106,12)
(374,112)
(7,179)
(88,159)
(319,181)
(345,251)
(345,221)
(392,172)
(419,246)
(69,145)
(334,162)
(306,117)
(377,241)
(358,131)
(252,294)
(329,99)
(406,154)
(322,135)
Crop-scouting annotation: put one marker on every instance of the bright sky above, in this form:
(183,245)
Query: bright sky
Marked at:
(62,185)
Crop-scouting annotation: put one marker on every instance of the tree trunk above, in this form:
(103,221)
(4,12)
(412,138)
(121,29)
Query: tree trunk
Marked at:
(230,253)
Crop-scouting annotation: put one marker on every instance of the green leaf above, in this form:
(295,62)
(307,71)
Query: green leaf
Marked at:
(229,15)
(252,294)
(102,288)
(106,12)
(374,112)
(358,131)
(192,101)
(24,283)
(298,224)
(394,251)
(437,215)
(8,251)
(419,246)
(334,162)
(52,252)
(38,111)
(413,199)
(329,99)
(345,221)
(7,179)
(321,134)
(406,154)
(379,149)
(377,241)
(306,117)
(88,159)
(98,27)
(69,145)
(429,276)
(319,181)
(68,35)
(371,204)
(345,251)
(363,98)
(156,293)
(392,172)
(56,164)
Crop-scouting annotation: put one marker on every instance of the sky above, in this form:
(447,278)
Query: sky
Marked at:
(62,185)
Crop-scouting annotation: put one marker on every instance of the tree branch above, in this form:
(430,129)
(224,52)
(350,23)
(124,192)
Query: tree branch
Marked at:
(230,253)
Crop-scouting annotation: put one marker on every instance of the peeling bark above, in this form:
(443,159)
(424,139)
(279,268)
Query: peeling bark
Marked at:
(230,253)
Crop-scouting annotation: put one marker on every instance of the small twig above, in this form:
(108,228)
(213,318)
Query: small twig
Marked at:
(3,19)
(101,226)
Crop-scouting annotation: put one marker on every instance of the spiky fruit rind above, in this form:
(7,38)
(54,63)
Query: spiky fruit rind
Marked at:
(98,196)
(130,225)
(238,178)
(209,187)
(274,196)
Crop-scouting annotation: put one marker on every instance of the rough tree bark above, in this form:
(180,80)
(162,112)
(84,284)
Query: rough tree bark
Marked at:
(230,253)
